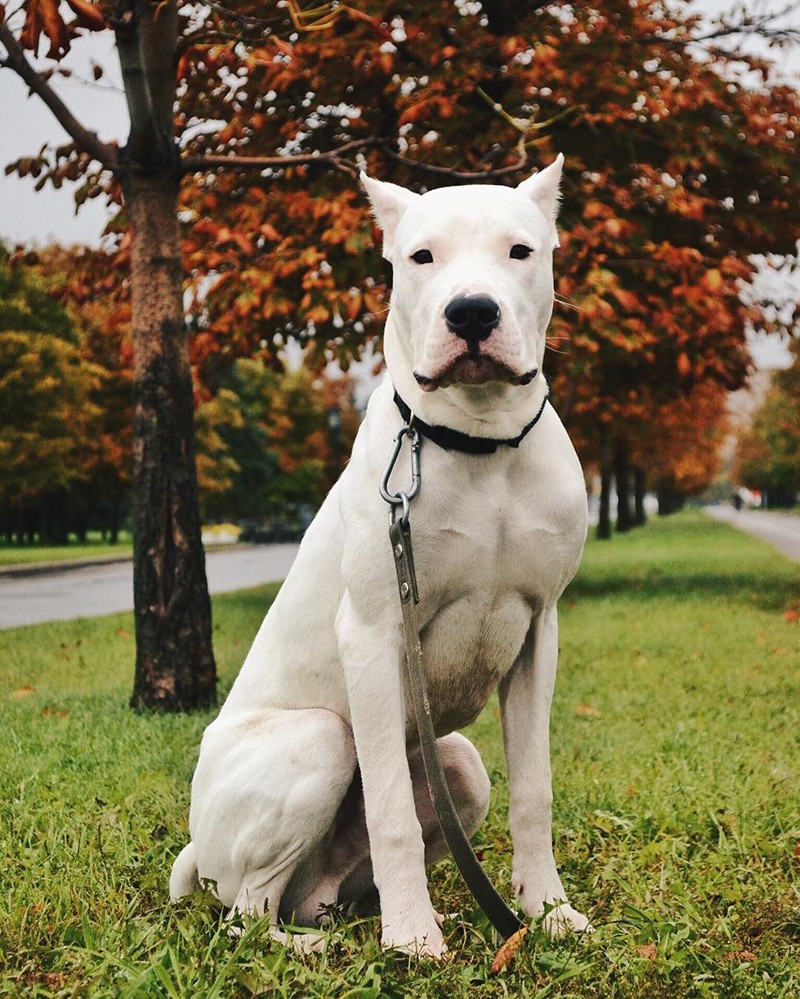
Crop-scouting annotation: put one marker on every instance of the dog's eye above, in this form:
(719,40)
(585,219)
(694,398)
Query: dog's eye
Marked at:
(519,251)
(422,257)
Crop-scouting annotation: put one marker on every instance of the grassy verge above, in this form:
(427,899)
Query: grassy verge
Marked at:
(93,547)
(675,748)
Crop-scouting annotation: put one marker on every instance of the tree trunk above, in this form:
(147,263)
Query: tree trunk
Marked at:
(639,491)
(175,667)
(622,473)
(669,501)
(603,531)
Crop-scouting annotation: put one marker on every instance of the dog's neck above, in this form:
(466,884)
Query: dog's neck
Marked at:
(455,440)
(494,411)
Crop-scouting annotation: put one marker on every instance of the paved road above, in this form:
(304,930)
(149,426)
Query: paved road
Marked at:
(780,529)
(92,591)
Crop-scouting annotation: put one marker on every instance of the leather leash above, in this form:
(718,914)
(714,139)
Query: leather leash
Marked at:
(504,919)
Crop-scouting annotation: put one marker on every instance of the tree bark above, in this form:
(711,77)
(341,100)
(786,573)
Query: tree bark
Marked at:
(603,531)
(669,501)
(175,667)
(622,474)
(639,492)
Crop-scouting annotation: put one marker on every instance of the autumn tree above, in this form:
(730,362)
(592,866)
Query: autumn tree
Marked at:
(767,457)
(48,409)
(269,442)
(254,121)
(680,449)
(100,497)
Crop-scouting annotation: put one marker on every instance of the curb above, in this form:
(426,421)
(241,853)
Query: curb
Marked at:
(68,565)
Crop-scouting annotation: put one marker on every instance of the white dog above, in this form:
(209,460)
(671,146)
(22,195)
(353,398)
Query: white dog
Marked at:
(309,789)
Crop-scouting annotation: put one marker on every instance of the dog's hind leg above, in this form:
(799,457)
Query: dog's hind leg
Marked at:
(348,879)
(184,878)
(265,799)
(469,788)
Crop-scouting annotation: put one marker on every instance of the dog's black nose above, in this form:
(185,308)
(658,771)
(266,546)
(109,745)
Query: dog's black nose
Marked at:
(472,317)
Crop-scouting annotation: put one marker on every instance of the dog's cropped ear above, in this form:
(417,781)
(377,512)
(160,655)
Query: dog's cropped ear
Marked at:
(389,203)
(543,189)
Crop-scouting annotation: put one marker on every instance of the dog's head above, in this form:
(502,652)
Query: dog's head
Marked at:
(473,279)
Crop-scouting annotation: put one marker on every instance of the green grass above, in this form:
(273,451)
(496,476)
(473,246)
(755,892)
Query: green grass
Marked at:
(675,756)
(93,547)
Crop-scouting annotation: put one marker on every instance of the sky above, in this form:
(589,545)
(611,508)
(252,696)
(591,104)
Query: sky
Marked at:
(38,218)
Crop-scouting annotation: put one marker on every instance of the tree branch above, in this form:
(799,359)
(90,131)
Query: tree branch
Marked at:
(459,175)
(145,51)
(332,157)
(106,153)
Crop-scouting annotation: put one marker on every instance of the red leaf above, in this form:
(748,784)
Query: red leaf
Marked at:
(508,951)
(87,15)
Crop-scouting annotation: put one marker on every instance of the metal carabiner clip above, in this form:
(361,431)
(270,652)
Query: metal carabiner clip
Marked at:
(402,498)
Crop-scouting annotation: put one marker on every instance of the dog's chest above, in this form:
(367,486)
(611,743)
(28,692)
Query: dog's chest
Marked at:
(485,568)
(469,645)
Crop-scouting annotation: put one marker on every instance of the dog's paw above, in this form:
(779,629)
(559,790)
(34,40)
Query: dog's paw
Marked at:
(563,919)
(301,943)
(425,944)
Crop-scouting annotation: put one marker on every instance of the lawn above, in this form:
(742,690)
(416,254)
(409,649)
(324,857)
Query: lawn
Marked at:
(676,743)
(93,547)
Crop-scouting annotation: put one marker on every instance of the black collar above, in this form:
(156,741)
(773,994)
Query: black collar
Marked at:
(455,440)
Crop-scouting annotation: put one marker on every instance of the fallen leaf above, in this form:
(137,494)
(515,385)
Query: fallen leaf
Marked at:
(123,633)
(20,692)
(508,951)
(55,713)
(648,950)
(741,955)
(588,711)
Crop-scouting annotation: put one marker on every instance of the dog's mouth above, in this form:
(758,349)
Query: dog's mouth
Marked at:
(474,369)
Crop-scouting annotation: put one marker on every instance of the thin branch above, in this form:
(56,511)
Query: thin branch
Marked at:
(333,157)
(762,24)
(256,23)
(106,153)
(459,175)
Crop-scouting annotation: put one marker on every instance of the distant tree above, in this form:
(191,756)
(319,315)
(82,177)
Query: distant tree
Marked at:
(767,457)
(101,499)
(267,441)
(681,450)
(48,409)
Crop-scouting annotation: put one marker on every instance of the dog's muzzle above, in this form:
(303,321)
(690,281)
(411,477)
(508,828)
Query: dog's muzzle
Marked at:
(472,318)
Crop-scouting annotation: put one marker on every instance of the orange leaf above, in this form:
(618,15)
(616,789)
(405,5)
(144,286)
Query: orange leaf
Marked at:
(416,112)
(508,951)
(55,29)
(20,692)
(50,712)
(87,15)
(32,29)
(268,231)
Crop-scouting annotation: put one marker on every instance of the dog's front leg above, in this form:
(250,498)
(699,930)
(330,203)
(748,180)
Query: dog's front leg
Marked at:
(372,657)
(525,698)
